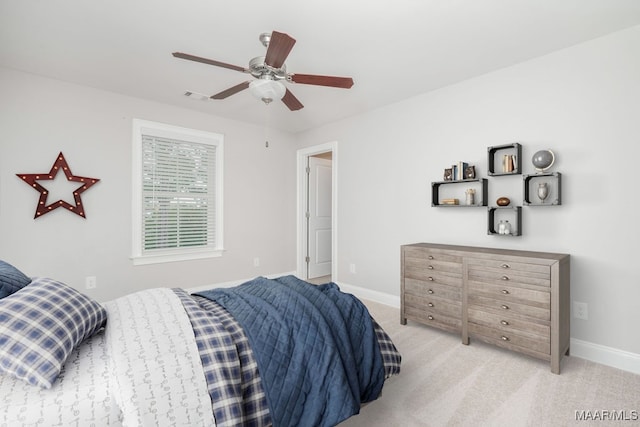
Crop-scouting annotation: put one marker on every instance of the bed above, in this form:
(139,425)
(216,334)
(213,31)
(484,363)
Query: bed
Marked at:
(276,352)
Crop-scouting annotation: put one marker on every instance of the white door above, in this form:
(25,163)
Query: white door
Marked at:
(319,217)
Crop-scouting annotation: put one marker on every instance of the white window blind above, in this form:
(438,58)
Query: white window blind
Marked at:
(178,197)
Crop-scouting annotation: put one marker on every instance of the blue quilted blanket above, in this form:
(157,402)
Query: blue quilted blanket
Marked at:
(315,346)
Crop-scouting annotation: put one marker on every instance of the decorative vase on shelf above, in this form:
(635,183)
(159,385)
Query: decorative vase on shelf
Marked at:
(504,227)
(507,228)
(543,191)
(470,193)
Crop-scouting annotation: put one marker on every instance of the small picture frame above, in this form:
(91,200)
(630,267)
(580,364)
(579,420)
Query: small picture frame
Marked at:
(448,174)
(470,172)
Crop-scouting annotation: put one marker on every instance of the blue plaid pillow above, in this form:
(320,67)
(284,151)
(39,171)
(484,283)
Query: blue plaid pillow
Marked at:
(40,325)
(11,279)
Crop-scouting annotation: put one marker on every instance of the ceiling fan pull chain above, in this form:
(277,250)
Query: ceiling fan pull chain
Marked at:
(267,123)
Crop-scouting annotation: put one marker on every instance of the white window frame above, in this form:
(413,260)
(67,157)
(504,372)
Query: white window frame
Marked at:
(145,127)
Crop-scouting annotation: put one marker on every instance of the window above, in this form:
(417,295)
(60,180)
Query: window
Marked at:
(177,193)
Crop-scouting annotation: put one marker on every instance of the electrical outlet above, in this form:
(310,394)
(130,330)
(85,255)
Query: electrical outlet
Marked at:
(580,310)
(90,282)
(352,268)
(256,262)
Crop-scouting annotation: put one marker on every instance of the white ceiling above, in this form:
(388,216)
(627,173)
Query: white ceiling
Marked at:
(393,49)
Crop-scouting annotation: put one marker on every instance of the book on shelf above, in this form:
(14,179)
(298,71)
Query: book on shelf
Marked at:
(508,163)
(450,202)
(458,170)
(462,166)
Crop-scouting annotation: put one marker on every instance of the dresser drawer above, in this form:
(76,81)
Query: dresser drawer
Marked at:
(425,254)
(508,324)
(435,319)
(534,296)
(506,339)
(504,264)
(422,267)
(435,289)
(433,276)
(509,308)
(499,275)
(434,305)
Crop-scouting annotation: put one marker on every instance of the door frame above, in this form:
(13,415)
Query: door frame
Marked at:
(301,174)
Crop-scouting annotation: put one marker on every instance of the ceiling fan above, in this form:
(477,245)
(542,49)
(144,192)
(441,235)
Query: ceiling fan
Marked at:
(269,71)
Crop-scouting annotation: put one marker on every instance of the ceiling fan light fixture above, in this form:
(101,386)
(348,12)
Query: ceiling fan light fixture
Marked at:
(270,71)
(267,90)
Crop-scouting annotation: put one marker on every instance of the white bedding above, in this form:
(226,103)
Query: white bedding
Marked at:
(157,377)
(79,397)
(144,369)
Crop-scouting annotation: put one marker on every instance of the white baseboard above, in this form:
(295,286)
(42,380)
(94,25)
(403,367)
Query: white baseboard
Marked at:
(233,283)
(604,355)
(368,294)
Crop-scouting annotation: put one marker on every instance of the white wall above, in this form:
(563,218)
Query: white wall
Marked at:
(41,117)
(582,102)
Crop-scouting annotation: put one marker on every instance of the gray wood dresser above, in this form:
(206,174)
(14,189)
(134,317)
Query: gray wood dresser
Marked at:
(517,300)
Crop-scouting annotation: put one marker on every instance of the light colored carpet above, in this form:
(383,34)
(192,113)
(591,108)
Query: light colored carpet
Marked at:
(319,280)
(446,383)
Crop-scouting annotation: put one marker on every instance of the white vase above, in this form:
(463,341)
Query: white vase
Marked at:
(543,191)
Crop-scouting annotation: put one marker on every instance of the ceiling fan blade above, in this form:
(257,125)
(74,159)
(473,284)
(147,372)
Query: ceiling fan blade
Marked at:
(208,61)
(331,81)
(279,47)
(231,91)
(291,101)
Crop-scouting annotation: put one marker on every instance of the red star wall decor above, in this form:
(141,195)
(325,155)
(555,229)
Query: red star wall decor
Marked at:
(59,164)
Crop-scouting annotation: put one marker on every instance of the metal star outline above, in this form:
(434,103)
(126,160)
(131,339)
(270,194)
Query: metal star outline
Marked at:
(60,164)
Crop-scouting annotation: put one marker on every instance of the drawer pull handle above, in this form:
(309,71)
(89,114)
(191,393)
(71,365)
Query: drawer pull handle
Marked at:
(430,279)
(430,256)
(504,338)
(505,307)
(505,266)
(505,277)
(430,304)
(430,291)
(430,317)
(430,267)
(504,322)
(504,291)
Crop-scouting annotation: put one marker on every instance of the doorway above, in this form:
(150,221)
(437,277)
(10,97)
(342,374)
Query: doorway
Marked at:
(316,216)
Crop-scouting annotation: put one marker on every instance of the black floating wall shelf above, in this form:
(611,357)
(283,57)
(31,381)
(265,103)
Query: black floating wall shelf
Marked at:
(555,189)
(481,199)
(514,217)
(496,168)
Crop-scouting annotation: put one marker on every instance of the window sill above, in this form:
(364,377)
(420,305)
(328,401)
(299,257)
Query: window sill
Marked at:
(174,257)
